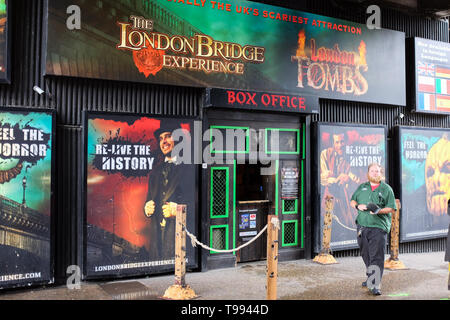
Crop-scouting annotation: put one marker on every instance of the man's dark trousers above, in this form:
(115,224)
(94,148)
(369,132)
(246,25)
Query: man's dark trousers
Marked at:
(372,244)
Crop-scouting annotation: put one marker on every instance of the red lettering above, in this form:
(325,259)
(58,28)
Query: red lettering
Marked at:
(274,99)
(282,100)
(231,97)
(251,98)
(240,97)
(302,103)
(293,104)
(265,99)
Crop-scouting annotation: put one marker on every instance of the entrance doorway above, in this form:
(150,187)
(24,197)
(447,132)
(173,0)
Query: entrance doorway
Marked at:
(260,172)
(255,201)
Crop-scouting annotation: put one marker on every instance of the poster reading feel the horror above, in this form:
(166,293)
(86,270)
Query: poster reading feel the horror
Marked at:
(344,154)
(424,174)
(138,170)
(26,141)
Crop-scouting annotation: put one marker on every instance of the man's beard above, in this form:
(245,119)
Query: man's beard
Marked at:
(374,180)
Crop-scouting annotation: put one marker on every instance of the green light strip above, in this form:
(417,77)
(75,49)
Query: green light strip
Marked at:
(302,204)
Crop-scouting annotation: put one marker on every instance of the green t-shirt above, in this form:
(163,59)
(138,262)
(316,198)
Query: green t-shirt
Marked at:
(383,196)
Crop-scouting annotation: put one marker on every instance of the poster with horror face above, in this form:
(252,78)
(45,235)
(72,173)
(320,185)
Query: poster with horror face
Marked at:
(26,141)
(425,182)
(138,169)
(344,153)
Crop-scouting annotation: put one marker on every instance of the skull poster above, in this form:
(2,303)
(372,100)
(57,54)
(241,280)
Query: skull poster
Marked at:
(424,181)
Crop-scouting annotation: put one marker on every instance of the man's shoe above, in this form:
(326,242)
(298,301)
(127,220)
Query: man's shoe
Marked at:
(375,291)
(364,284)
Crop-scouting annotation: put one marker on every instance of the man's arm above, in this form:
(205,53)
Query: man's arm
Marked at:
(386,211)
(325,178)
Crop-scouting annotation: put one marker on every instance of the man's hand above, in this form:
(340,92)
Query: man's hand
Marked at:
(169,209)
(342,178)
(361,207)
(149,208)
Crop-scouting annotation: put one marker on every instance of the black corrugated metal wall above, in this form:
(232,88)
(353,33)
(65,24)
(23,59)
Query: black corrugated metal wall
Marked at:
(72,95)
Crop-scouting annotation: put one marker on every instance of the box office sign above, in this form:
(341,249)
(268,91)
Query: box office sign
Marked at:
(344,153)
(26,141)
(133,185)
(234,45)
(4,42)
(424,182)
(265,101)
(432,75)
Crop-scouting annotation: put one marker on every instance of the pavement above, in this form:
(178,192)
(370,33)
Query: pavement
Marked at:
(426,278)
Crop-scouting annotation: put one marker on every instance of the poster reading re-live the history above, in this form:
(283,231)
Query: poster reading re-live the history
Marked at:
(344,153)
(26,141)
(138,170)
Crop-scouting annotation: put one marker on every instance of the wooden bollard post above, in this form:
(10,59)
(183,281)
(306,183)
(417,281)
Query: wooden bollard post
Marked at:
(272,256)
(325,257)
(180,291)
(393,263)
(180,246)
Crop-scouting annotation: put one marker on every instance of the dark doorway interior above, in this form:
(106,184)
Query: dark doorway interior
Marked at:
(255,197)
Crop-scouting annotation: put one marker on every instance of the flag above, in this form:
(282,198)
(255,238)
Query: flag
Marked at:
(443,86)
(426,84)
(426,101)
(426,69)
(443,103)
(443,72)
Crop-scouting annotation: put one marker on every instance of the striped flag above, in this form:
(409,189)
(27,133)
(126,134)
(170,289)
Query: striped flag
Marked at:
(442,86)
(426,101)
(425,68)
(443,103)
(426,84)
(443,72)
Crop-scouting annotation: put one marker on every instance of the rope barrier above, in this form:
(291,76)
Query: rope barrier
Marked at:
(338,221)
(195,242)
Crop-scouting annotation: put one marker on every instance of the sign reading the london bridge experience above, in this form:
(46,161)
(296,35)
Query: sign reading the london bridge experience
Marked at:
(25,197)
(235,44)
(344,154)
(138,170)
(424,179)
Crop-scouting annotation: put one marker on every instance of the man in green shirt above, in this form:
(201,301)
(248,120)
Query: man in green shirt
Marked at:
(375,201)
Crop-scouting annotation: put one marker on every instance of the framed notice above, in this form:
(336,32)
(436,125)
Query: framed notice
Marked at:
(4,42)
(342,156)
(26,175)
(238,44)
(432,76)
(138,168)
(423,179)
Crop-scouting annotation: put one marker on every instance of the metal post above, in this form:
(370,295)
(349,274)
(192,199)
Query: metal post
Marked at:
(24,185)
(272,257)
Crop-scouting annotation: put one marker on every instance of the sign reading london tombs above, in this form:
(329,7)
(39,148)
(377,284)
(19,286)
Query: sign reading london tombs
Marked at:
(235,45)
